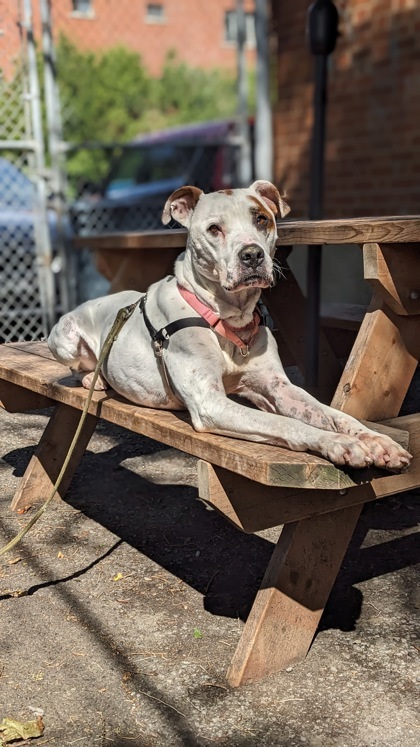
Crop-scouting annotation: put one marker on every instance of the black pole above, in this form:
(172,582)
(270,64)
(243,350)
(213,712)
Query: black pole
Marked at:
(322,32)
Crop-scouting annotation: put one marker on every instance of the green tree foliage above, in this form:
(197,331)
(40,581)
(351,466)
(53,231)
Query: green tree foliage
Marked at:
(109,97)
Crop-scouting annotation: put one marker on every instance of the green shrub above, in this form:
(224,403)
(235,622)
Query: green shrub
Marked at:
(109,97)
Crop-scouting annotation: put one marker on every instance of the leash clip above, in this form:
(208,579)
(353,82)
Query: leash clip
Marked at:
(158,346)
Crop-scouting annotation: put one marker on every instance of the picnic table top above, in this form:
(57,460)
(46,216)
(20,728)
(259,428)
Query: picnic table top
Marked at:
(30,365)
(387,229)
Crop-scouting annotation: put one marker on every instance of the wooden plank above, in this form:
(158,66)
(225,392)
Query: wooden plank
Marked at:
(174,238)
(348,316)
(129,270)
(15,399)
(382,363)
(289,604)
(392,229)
(396,230)
(48,458)
(394,275)
(410,479)
(253,508)
(270,465)
(292,595)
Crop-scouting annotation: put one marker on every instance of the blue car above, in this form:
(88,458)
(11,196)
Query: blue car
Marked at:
(23,312)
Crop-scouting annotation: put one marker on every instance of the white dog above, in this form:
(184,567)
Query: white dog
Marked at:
(197,337)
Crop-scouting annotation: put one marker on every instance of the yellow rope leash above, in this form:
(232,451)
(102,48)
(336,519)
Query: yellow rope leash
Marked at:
(121,318)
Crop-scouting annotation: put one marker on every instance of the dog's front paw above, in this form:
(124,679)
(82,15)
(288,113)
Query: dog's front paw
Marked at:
(385,452)
(345,450)
(100,383)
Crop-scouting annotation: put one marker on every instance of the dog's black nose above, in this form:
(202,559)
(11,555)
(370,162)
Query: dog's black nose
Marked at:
(251,256)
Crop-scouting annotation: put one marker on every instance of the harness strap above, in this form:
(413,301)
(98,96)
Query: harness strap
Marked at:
(161,336)
(160,339)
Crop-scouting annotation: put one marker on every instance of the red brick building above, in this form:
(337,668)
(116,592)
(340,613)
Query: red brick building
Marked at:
(373,132)
(200,31)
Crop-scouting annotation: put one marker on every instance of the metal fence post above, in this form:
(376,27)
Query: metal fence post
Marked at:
(42,236)
(322,31)
(63,267)
(245,164)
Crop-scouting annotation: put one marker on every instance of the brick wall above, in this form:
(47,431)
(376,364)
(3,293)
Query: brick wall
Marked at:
(373,132)
(194,28)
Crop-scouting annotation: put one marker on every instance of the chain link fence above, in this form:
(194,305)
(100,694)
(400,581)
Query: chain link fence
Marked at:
(30,297)
(65,64)
(23,314)
(143,173)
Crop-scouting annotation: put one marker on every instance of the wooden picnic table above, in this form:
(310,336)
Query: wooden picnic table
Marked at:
(134,260)
(257,486)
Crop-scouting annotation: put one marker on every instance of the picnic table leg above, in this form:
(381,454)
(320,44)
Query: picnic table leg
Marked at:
(47,460)
(307,558)
(381,366)
(293,594)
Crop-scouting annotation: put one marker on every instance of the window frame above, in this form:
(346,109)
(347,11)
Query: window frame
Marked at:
(87,12)
(230,20)
(152,18)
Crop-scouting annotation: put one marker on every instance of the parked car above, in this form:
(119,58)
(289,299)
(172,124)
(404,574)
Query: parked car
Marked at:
(18,208)
(150,167)
(22,297)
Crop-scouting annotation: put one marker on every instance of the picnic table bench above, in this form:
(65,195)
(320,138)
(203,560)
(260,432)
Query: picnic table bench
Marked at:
(258,486)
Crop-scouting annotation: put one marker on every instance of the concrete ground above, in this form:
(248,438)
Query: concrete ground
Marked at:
(121,610)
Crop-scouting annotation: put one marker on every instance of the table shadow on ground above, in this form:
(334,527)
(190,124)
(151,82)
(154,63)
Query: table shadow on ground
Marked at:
(170,525)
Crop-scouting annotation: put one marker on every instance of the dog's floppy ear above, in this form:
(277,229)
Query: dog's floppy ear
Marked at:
(271,196)
(181,204)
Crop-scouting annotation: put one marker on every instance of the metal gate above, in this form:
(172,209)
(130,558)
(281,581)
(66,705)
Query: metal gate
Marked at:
(32,291)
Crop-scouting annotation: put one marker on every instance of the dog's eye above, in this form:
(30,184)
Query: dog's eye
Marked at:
(262,219)
(214,229)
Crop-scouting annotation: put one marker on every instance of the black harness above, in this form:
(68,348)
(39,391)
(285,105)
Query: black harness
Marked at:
(160,338)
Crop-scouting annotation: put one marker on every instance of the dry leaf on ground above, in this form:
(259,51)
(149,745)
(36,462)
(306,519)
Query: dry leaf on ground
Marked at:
(12,730)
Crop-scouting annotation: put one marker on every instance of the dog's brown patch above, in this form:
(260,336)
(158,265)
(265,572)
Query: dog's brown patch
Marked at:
(261,208)
(225,192)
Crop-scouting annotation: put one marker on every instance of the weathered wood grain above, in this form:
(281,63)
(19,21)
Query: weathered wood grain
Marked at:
(15,399)
(305,562)
(392,229)
(31,366)
(48,458)
(174,238)
(394,275)
(132,270)
(381,365)
(292,596)
(253,507)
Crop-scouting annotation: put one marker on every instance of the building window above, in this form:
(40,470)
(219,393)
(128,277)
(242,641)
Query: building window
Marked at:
(155,13)
(82,7)
(231,28)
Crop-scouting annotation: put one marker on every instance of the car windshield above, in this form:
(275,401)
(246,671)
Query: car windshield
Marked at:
(144,164)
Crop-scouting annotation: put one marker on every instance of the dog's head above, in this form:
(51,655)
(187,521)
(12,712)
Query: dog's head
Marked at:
(232,233)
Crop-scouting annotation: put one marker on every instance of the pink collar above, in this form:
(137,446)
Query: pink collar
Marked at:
(221,326)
